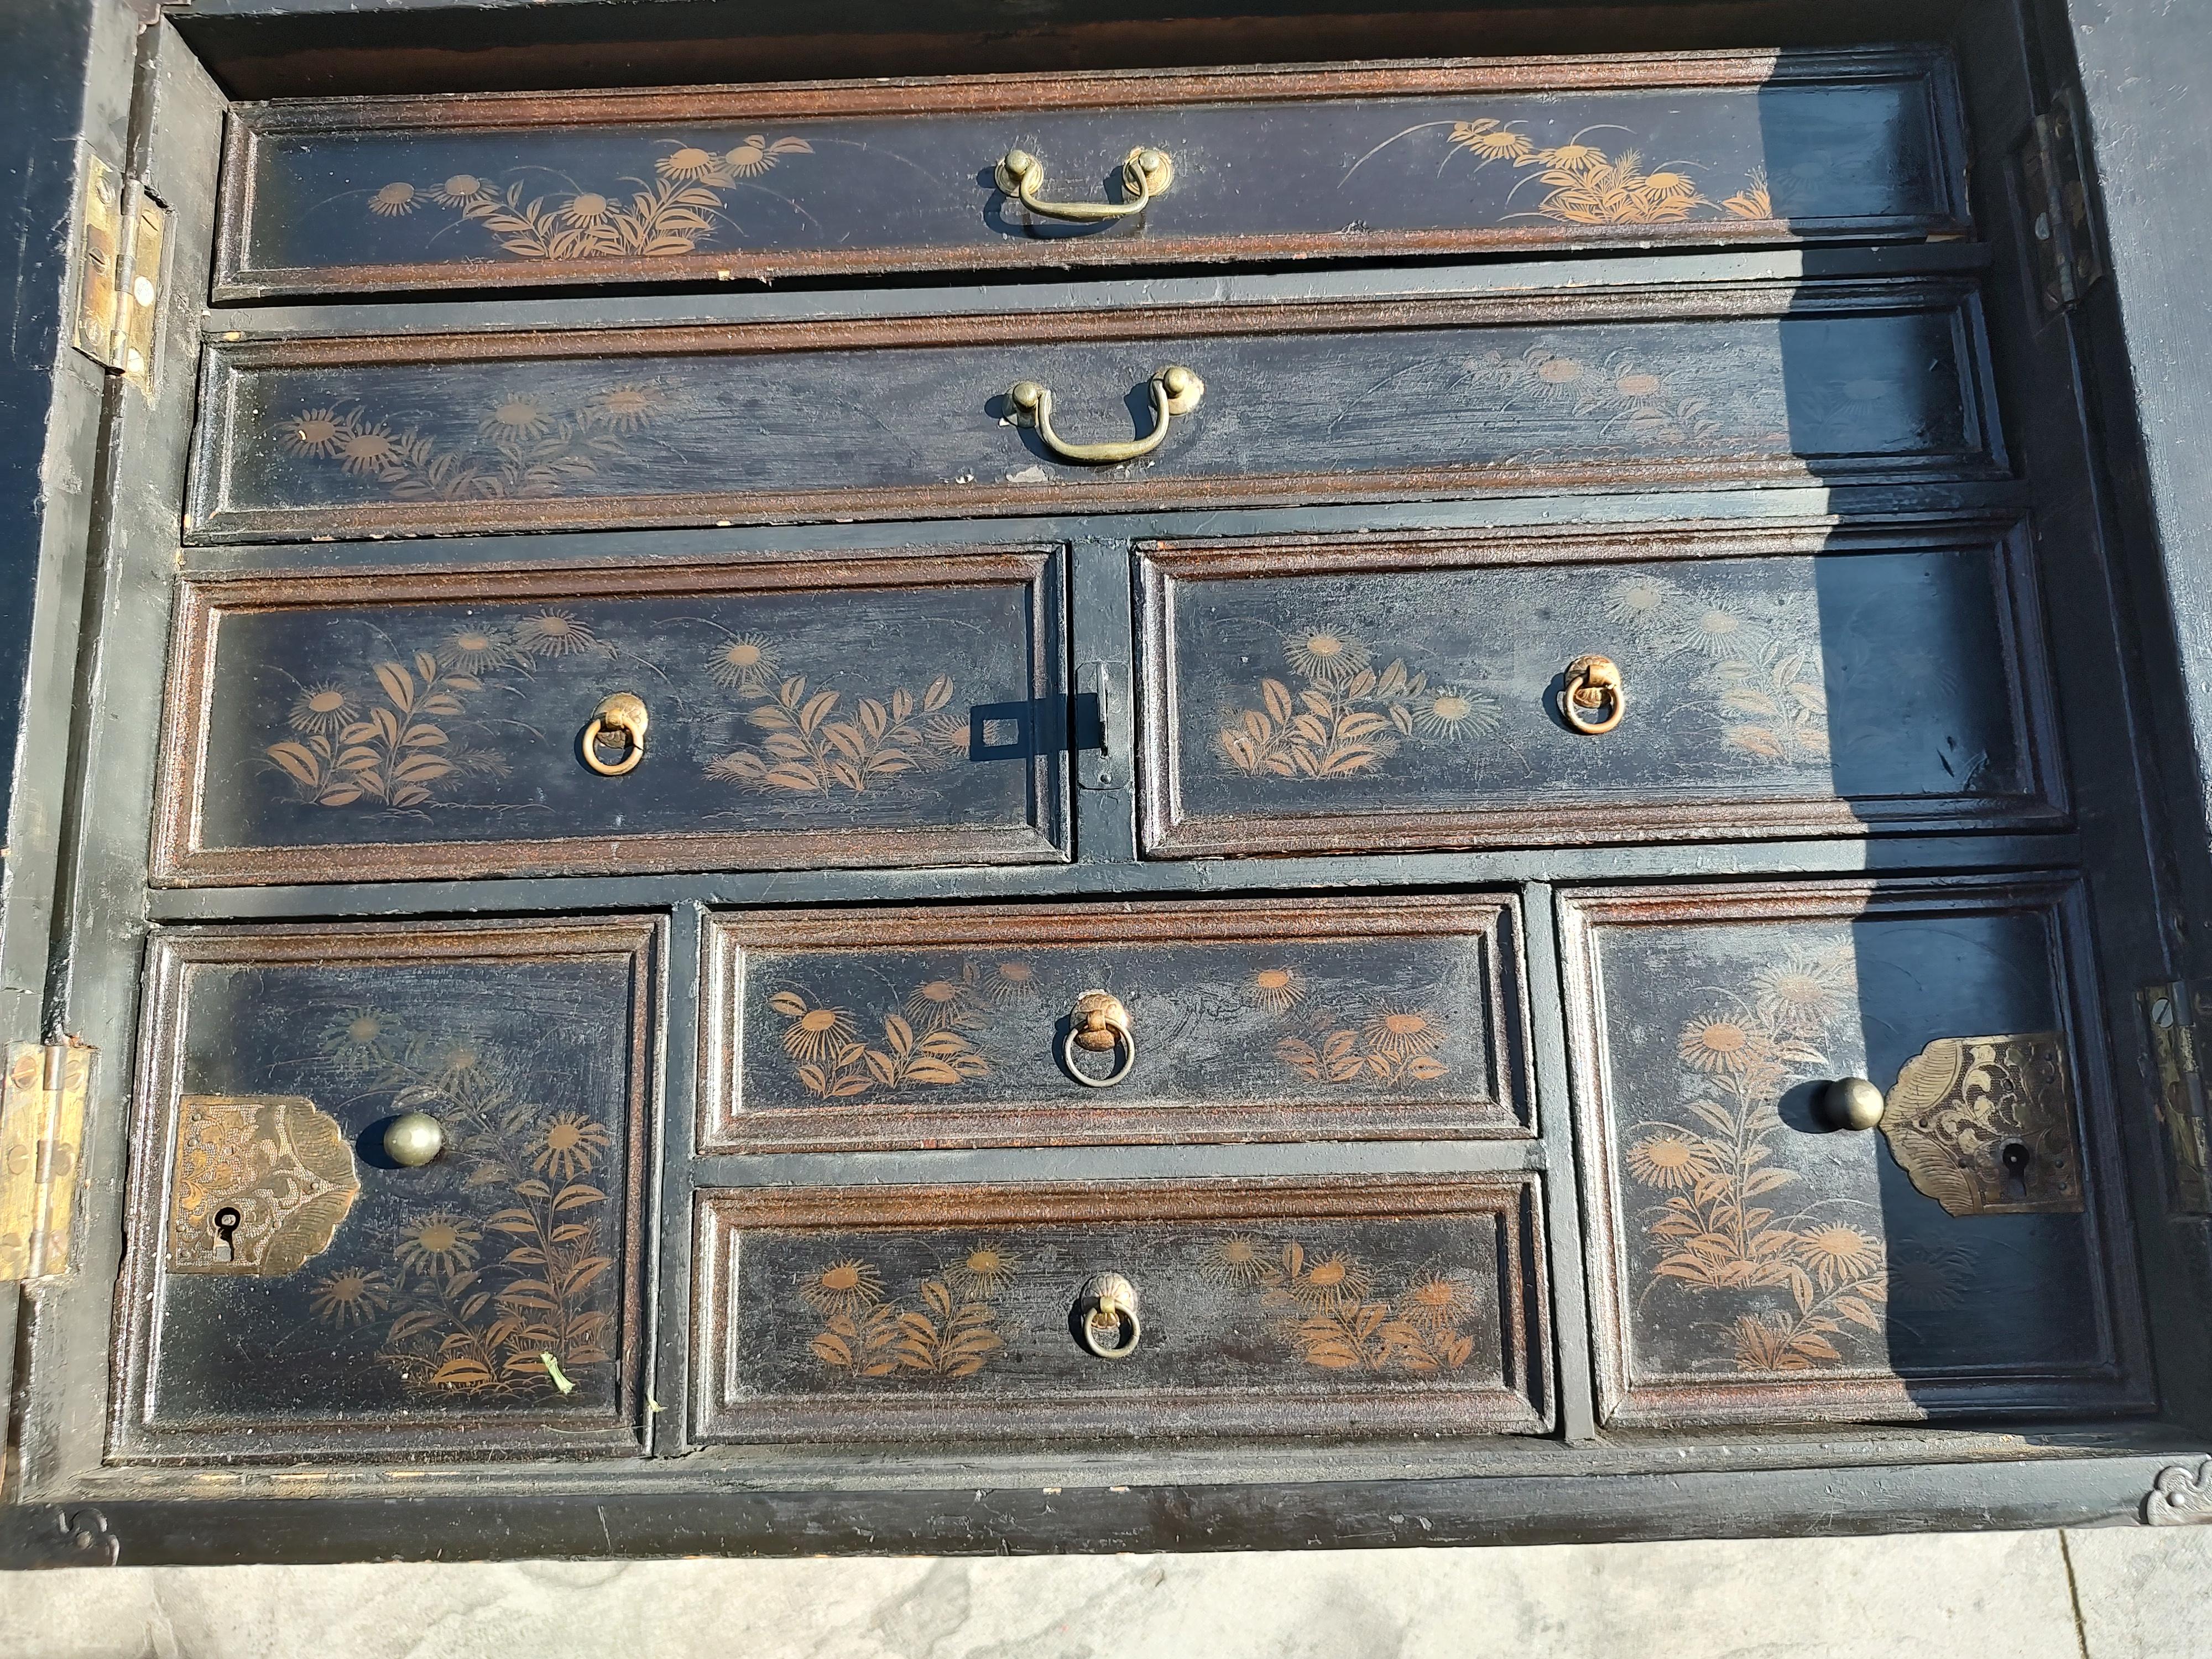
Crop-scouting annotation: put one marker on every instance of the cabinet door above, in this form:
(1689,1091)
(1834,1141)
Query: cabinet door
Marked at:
(294,1289)
(1754,1258)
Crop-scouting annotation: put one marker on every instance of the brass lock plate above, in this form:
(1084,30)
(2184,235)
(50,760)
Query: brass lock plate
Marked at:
(261,1183)
(1984,1125)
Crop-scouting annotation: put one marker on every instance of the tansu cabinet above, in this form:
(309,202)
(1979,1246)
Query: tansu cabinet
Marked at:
(1370,797)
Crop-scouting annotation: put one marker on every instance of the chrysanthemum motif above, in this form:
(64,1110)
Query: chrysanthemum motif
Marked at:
(1638,601)
(758,154)
(350,1297)
(358,1040)
(395,199)
(1557,371)
(1323,1279)
(1718,1045)
(472,650)
(1277,989)
(1437,1300)
(316,432)
(749,664)
(1572,153)
(1668,1160)
(1498,144)
(1805,990)
(462,190)
(1636,384)
(689,164)
(985,1271)
(817,1031)
(1717,630)
(948,735)
(368,449)
(439,1241)
(569,1146)
(1930,1281)
(518,416)
(1837,1253)
(1324,654)
(939,1004)
(586,208)
(845,1287)
(1448,710)
(553,634)
(324,708)
(1403,1032)
(627,408)
(1239,1261)
(1010,983)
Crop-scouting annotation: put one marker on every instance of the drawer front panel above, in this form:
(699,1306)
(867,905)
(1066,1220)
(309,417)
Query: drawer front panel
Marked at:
(327,195)
(890,711)
(912,416)
(1335,1018)
(1261,1307)
(1753,1258)
(1305,695)
(294,1290)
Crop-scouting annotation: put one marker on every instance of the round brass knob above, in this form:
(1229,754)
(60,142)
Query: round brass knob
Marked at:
(621,719)
(1592,683)
(1106,1321)
(413,1138)
(1852,1102)
(1098,1024)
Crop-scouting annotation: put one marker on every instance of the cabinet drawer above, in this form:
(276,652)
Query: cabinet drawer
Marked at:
(293,1290)
(481,192)
(1322,1019)
(1305,695)
(1754,1258)
(869,416)
(894,710)
(1256,1307)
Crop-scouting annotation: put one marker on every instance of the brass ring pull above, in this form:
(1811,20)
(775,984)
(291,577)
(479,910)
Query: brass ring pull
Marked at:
(1176,391)
(1107,1309)
(1593,682)
(1147,172)
(1099,1024)
(622,717)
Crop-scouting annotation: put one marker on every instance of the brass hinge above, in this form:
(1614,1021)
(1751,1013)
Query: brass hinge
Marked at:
(2054,181)
(42,1136)
(122,232)
(2171,1010)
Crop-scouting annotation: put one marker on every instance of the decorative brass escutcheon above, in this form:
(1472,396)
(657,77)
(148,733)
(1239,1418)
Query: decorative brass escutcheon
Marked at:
(1106,1321)
(1099,1024)
(1176,391)
(1145,172)
(1593,682)
(259,1187)
(621,718)
(1984,1125)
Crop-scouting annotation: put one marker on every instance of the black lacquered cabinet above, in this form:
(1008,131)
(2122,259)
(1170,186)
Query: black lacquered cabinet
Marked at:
(1338,793)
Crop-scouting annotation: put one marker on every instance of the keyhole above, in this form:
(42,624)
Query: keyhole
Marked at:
(226,1223)
(2015,1158)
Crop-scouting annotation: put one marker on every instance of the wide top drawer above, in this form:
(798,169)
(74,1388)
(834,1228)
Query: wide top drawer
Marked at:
(341,195)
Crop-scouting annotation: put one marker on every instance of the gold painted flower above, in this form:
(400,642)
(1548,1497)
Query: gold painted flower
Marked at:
(690,163)
(1639,599)
(749,664)
(1011,982)
(462,190)
(948,735)
(1437,1300)
(1637,384)
(518,416)
(1715,1046)
(553,634)
(1239,1259)
(1930,1279)
(1668,1160)
(316,432)
(1670,189)
(1325,655)
(1324,1279)
(472,650)
(1559,371)
(817,1031)
(1805,990)
(438,1242)
(568,1146)
(627,408)
(358,1040)
(368,449)
(1716,629)
(1837,1253)
(395,199)
(758,154)
(845,1288)
(938,1004)
(984,1271)
(351,1295)
(1498,144)
(1401,1033)
(1448,710)
(1572,156)
(586,208)
(1277,989)
(324,708)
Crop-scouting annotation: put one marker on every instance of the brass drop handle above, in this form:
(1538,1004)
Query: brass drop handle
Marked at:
(1099,1024)
(1106,1321)
(414,1139)
(1593,682)
(620,719)
(1176,391)
(1852,1102)
(1147,172)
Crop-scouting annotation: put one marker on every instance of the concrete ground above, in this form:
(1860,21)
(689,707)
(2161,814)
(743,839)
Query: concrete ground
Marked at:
(2119,1593)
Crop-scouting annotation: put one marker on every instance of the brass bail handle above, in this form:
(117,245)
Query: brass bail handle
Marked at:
(1099,1024)
(1593,682)
(1146,174)
(1107,1308)
(1176,391)
(621,718)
